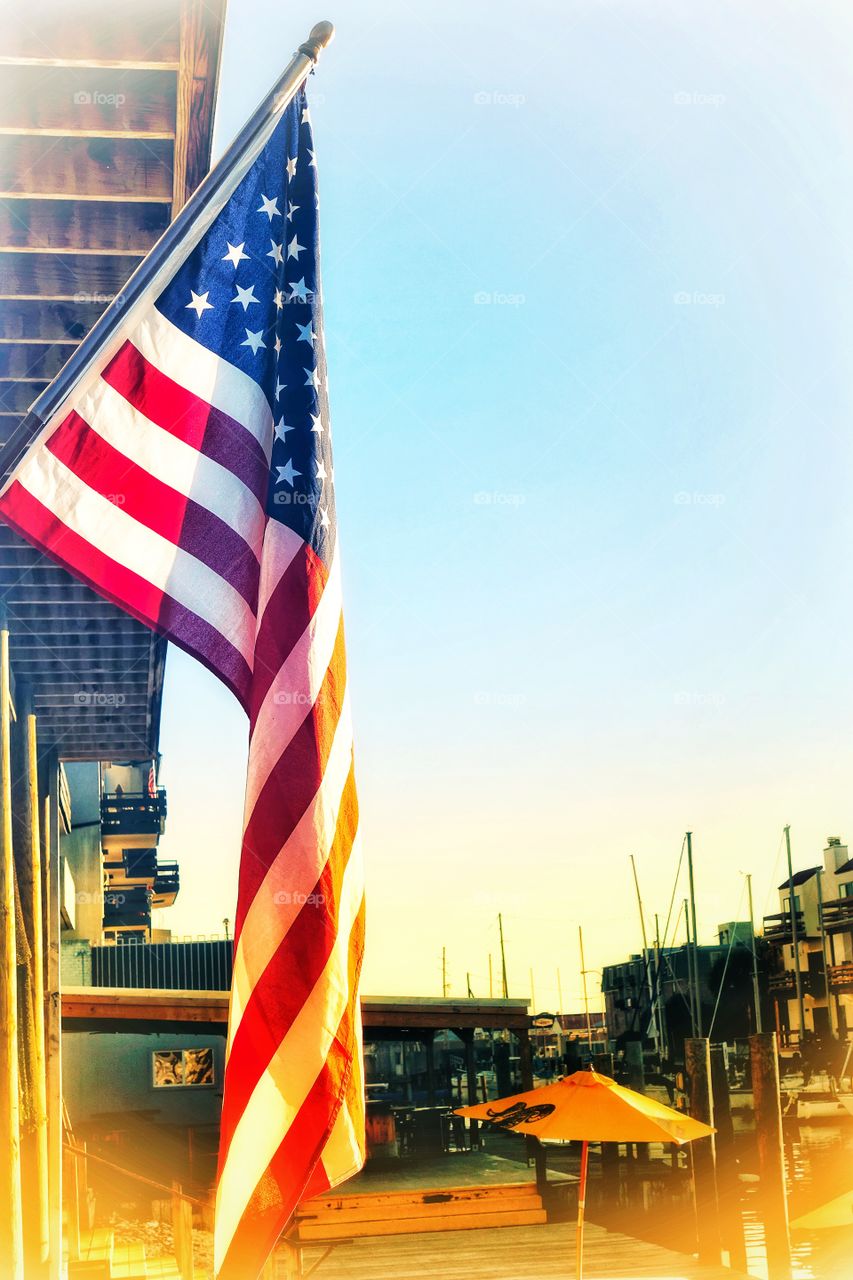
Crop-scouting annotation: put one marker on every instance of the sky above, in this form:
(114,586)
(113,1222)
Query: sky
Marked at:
(587,279)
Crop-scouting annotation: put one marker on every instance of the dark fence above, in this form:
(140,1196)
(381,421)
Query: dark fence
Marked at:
(198,965)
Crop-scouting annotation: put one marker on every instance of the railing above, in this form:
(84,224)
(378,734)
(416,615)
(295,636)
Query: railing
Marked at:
(133,813)
(841,976)
(198,964)
(777,928)
(838,915)
(128,906)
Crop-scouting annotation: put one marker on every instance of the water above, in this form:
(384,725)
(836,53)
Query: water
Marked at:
(819,1163)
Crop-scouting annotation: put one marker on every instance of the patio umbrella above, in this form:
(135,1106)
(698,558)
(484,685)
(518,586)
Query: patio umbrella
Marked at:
(586,1107)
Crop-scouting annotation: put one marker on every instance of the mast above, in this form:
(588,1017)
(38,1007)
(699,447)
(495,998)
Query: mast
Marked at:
(648,967)
(690,984)
(795,942)
(823,944)
(698,1031)
(585,992)
(756,996)
(503,954)
(664,1045)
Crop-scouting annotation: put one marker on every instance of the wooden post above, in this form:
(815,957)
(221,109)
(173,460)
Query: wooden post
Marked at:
(182,1232)
(471,1073)
(535,1150)
(764,1061)
(53,1045)
(728,1184)
(11,1229)
(697,1063)
(72,1207)
(29,869)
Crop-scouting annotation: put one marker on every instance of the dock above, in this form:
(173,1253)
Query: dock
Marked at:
(510,1253)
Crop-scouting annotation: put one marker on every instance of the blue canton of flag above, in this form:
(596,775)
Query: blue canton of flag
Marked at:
(249,292)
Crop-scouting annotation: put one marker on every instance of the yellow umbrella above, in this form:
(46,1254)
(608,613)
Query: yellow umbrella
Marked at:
(587,1107)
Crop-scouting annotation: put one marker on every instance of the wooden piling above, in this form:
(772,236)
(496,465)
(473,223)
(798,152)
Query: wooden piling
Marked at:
(728,1183)
(703,1154)
(11,1228)
(53,1036)
(29,870)
(182,1232)
(535,1150)
(764,1061)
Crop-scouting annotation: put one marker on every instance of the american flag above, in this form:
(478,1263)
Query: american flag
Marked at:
(190,480)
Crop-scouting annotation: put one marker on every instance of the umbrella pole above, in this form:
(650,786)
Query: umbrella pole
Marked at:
(581,1207)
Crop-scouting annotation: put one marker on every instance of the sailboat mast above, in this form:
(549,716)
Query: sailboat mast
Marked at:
(698,996)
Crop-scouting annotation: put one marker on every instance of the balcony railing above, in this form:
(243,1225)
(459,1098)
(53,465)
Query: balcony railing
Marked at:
(838,915)
(841,976)
(166,884)
(777,928)
(194,965)
(128,907)
(133,814)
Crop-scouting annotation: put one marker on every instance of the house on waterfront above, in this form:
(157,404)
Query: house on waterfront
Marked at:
(814,936)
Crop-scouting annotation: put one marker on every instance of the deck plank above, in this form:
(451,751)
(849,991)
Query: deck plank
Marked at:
(511,1253)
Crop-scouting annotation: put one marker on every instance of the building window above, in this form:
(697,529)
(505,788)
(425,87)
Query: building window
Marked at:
(786,903)
(846,890)
(182,1068)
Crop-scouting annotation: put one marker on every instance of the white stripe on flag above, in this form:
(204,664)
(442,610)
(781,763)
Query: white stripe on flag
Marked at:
(292,876)
(176,463)
(294,690)
(206,375)
(146,553)
(284,1086)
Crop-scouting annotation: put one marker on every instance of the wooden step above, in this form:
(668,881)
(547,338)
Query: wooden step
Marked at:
(423,1210)
(392,1226)
(421,1195)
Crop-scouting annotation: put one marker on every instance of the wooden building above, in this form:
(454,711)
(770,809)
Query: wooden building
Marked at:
(106,116)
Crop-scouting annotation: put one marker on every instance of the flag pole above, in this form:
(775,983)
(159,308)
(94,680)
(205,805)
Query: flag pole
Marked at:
(179,237)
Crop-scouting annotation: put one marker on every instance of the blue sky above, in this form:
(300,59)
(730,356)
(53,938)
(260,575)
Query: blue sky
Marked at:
(587,271)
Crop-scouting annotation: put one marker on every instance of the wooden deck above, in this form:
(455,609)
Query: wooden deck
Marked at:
(511,1253)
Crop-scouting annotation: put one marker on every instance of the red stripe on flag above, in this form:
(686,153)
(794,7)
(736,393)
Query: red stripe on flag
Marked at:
(292,973)
(188,417)
(126,589)
(155,504)
(290,608)
(292,783)
(290,1171)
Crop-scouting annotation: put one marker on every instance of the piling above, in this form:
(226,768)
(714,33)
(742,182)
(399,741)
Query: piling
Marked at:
(703,1153)
(764,1061)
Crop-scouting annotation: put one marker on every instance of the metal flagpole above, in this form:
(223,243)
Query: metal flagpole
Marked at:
(179,238)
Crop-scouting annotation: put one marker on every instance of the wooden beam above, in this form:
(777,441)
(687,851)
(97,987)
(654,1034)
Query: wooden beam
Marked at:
(67,226)
(81,277)
(200,48)
(100,168)
(74,102)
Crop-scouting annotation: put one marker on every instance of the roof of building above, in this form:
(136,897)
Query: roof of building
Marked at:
(107,121)
(800,877)
(845,866)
